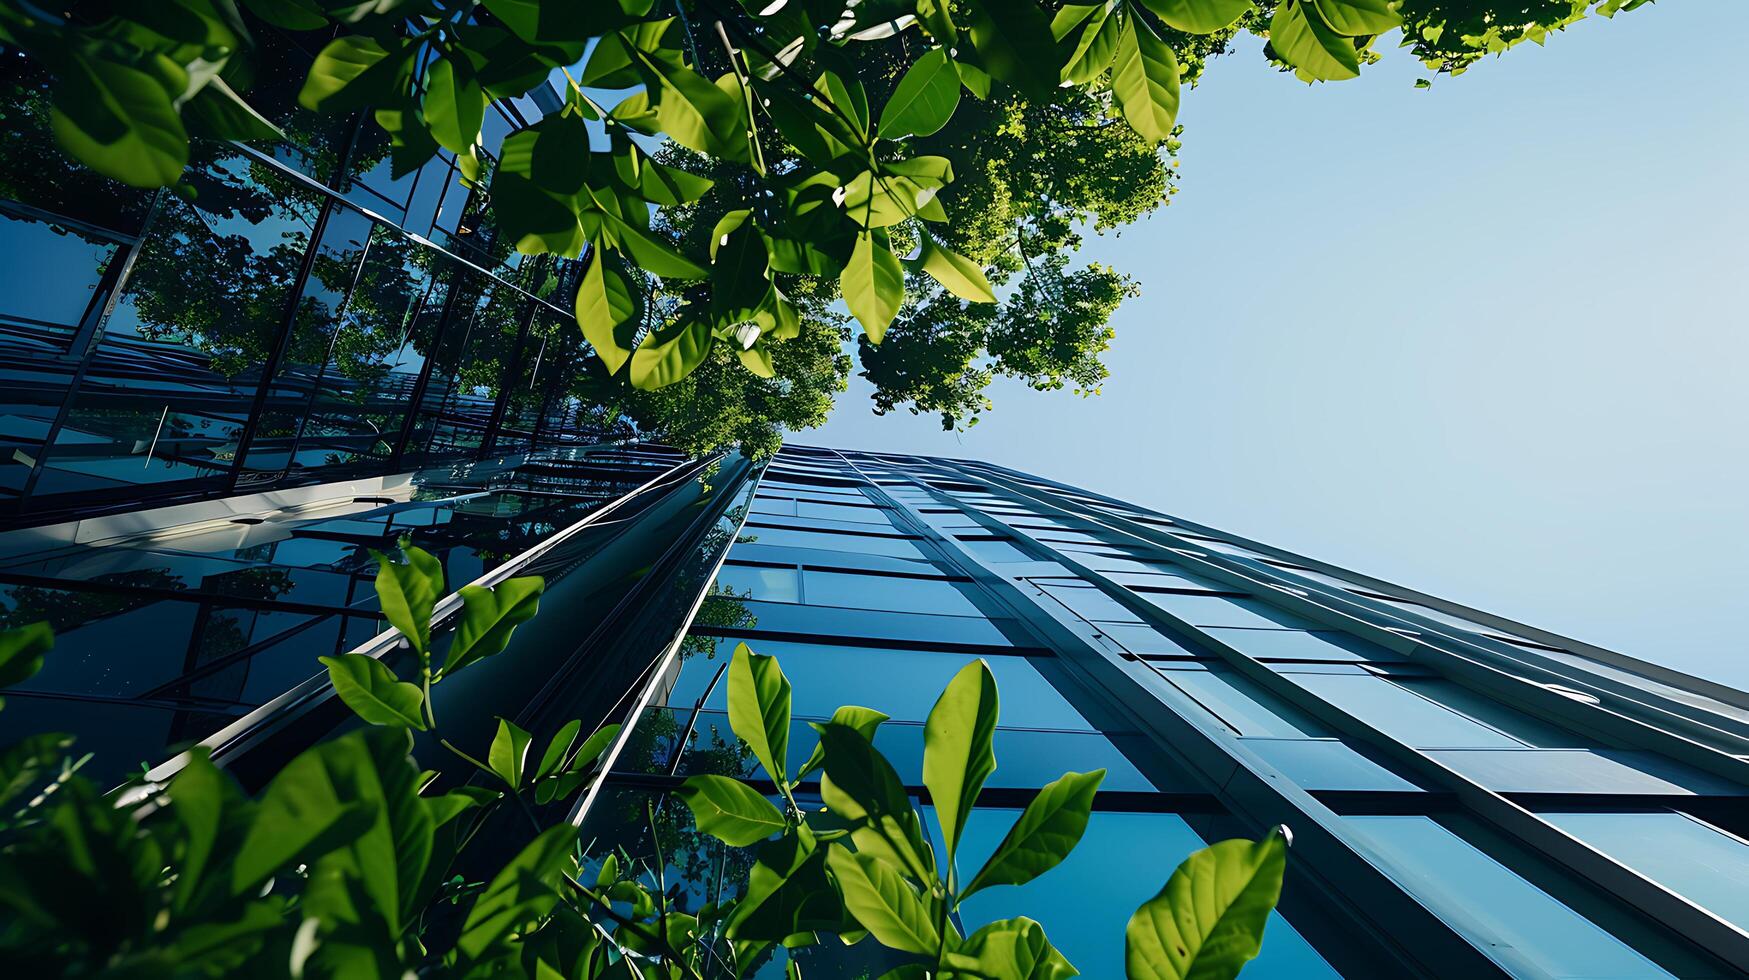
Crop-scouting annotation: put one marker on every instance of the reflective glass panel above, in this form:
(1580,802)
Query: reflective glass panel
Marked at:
(1693,859)
(1400,714)
(892,592)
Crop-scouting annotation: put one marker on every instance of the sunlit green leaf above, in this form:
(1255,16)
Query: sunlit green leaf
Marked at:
(959,747)
(561,742)
(121,121)
(759,708)
(883,901)
(1302,39)
(1145,80)
(351,72)
(861,788)
(454,105)
(671,353)
(373,692)
(1094,45)
(489,617)
(873,284)
(757,360)
(509,753)
(956,273)
(864,720)
(1199,16)
(408,591)
(730,810)
(609,309)
(522,892)
(1355,18)
(1013,949)
(1043,835)
(925,99)
(1207,922)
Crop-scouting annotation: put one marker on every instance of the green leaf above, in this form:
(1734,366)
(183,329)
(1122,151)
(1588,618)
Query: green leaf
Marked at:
(861,788)
(670,354)
(454,104)
(1145,80)
(647,252)
(407,592)
(883,901)
(873,284)
(759,709)
(32,759)
(351,72)
(665,185)
(592,748)
(218,112)
(740,272)
(609,309)
(757,360)
(695,113)
(925,99)
(1095,45)
(1357,18)
(21,652)
(1302,39)
(554,756)
(293,15)
(1199,16)
(787,893)
(509,753)
(730,810)
(311,808)
(864,720)
(959,747)
(373,692)
(1207,922)
(520,893)
(489,617)
(197,796)
(120,121)
(1014,42)
(1044,834)
(956,273)
(1013,949)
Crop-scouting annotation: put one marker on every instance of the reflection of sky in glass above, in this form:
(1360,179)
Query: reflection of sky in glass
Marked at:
(1085,902)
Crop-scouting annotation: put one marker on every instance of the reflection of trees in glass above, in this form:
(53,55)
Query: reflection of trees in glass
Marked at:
(35,171)
(66,609)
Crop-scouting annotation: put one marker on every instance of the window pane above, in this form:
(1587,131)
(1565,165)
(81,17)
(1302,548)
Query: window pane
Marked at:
(1301,645)
(754,582)
(919,595)
(1406,717)
(1693,859)
(1244,706)
(1121,862)
(1204,610)
(856,544)
(1518,924)
(901,683)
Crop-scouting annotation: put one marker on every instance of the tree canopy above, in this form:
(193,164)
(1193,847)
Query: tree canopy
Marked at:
(732,171)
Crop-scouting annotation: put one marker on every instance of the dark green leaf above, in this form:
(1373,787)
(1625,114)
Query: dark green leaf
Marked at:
(864,720)
(489,617)
(293,15)
(925,100)
(959,747)
(1014,42)
(654,256)
(1145,80)
(218,112)
(730,810)
(883,902)
(373,692)
(554,756)
(310,809)
(454,104)
(196,797)
(1044,834)
(1199,16)
(759,709)
(520,893)
(407,592)
(21,652)
(121,121)
(29,761)
(509,753)
(1207,922)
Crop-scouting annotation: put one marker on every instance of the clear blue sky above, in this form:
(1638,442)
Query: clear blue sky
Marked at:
(1488,340)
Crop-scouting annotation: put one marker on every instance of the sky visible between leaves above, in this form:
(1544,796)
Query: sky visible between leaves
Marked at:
(1489,341)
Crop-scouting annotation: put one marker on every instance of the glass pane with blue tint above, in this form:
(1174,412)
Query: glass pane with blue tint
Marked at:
(1301,645)
(1694,859)
(1244,706)
(1327,764)
(1086,601)
(856,544)
(1400,714)
(994,550)
(1522,927)
(1203,610)
(1083,903)
(903,684)
(778,506)
(891,592)
(839,512)
(756,582)
(1519,724)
